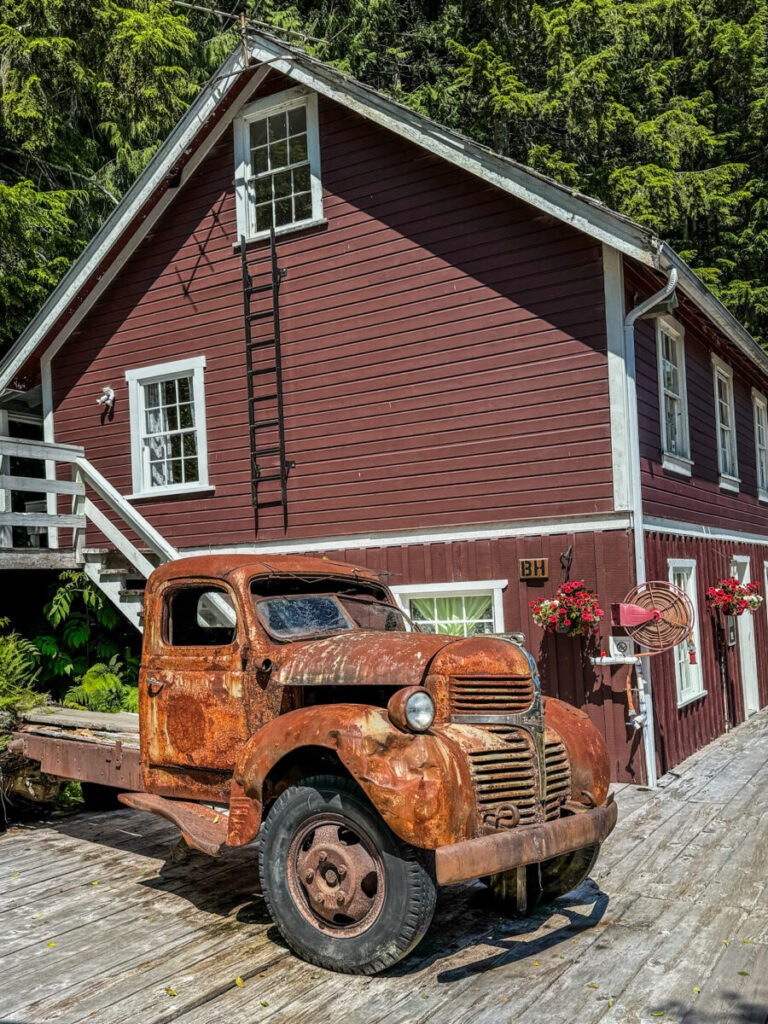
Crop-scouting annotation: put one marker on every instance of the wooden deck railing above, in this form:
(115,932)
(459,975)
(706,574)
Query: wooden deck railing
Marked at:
(85,480)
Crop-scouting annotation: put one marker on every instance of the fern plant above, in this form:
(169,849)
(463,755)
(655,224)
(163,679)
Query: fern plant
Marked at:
(102,688)
(84,628)
(19,671)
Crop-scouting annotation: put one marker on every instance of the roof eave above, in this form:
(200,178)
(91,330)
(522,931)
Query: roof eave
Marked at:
(712,307)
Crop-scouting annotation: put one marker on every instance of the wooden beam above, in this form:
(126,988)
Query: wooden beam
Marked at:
(37,558)
(40,484)
(40,450)
(40,519)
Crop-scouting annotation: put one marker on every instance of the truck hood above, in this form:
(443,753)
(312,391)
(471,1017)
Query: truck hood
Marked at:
(362,658)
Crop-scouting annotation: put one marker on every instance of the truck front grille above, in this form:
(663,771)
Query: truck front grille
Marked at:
(491,695)
(509,776)
(506,777)
(558,778)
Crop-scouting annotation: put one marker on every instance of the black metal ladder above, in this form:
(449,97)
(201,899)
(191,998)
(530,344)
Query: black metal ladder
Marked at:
(264,367)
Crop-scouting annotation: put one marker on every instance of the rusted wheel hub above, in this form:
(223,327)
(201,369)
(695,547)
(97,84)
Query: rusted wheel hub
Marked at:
(335,875)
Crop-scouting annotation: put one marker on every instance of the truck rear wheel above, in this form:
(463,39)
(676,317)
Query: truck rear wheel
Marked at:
(544,882)
(344,891)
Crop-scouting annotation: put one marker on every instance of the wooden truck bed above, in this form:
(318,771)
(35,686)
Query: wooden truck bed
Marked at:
(84,745)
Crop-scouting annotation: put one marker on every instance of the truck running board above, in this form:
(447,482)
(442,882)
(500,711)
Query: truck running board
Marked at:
(203,827)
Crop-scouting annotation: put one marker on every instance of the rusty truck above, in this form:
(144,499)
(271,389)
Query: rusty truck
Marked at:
(289,702)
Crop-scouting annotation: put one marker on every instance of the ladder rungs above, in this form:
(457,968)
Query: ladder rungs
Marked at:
(262,344)
(262,477)
(265,423)
(269,504)
(264,398)
(255,288)
(264,369)
(261,315)
(258,452)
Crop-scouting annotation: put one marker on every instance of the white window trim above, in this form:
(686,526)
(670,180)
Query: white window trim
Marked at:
(289,98)
(136,379)
(759,400)
(462,589)
(689,563)
(673,461)
(727,481)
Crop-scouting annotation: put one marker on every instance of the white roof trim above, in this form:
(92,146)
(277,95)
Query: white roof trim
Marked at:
(579,211)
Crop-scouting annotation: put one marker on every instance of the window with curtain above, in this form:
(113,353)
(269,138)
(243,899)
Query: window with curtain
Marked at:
(457,615)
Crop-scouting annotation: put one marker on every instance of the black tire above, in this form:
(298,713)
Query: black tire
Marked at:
(545,882)
(401,908)
(99,798)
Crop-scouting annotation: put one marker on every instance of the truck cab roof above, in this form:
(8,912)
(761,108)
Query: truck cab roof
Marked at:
(248,565)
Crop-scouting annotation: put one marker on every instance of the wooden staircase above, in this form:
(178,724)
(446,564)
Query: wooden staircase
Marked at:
(54,539)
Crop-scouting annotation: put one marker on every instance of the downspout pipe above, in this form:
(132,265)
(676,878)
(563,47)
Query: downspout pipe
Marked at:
(647,307)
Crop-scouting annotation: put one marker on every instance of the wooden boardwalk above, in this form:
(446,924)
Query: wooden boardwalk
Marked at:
(98,926)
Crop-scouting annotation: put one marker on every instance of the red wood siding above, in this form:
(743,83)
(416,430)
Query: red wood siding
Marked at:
(681,731)
(602,560)
(699,499)
(439,339)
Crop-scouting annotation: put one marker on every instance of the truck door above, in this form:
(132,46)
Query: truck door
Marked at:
(191,689)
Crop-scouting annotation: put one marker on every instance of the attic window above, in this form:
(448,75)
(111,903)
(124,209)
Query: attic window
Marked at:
(277,164)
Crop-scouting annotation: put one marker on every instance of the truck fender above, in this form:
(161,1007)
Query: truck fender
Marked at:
(418,782)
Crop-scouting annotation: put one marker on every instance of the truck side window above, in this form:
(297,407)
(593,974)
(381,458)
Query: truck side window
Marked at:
(200,617)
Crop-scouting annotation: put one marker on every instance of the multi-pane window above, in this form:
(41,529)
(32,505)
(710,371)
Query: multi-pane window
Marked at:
(688,677)
(168,437)
(277,163)
(673,403)
(280,184)
(760,407)
(725,423)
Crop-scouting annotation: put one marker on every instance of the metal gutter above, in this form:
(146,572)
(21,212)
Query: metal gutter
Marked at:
(645,719)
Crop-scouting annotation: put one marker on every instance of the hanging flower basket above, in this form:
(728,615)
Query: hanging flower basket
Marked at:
(730,597)
(574,610)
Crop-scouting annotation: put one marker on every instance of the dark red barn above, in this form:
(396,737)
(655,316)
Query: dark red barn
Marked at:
(442,385)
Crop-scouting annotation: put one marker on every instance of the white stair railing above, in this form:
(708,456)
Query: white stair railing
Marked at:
(84,476)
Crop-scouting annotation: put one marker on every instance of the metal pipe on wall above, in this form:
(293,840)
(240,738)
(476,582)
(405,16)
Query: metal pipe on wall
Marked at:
(645,691)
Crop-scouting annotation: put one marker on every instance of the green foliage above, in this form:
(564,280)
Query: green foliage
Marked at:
(657,107)
(102,689)
(19,671)
(84,626)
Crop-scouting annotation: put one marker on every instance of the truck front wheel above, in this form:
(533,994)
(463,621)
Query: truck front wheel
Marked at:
(344,891)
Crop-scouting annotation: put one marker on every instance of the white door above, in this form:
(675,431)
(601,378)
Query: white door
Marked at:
(747,648)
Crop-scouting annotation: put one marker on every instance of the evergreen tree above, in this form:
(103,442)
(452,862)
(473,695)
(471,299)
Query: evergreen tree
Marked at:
(657,107)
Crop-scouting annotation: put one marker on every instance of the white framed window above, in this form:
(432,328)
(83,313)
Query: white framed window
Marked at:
(277,164)
(725,424)
(459,609)
(760,413)
(673,396)
(688,676)
(169,443)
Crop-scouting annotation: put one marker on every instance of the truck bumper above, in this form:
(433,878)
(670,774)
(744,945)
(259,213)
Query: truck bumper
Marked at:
(529,844)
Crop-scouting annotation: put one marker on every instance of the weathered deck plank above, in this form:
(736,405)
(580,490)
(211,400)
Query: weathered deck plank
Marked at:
(680,886)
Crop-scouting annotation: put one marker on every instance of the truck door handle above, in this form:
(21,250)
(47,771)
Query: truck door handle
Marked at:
(154,686)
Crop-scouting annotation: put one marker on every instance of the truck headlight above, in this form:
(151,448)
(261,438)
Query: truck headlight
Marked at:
(411,708)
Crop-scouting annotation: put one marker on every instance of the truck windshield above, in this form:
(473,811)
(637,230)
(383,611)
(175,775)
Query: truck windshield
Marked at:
(305,615)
